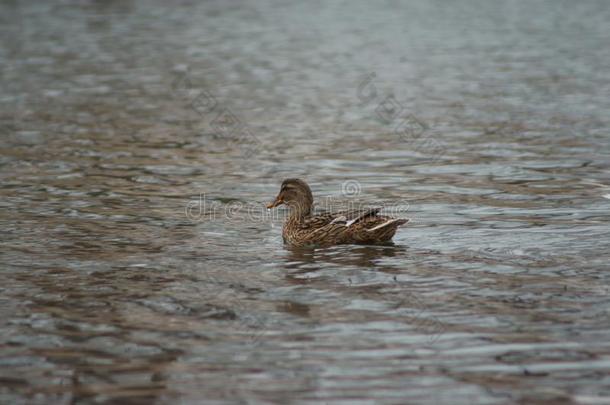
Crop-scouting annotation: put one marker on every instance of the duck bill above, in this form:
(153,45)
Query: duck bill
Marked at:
(275,203)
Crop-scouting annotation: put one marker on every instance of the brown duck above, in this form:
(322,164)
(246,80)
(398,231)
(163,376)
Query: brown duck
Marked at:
(303,228)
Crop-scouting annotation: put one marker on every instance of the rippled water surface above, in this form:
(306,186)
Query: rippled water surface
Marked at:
(140,141)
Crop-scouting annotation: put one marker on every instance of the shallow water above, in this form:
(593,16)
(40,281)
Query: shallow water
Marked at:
(138,263)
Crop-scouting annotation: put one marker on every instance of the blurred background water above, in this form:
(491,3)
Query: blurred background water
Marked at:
(140,140)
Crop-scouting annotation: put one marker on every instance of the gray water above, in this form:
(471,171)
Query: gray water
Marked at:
(140,142)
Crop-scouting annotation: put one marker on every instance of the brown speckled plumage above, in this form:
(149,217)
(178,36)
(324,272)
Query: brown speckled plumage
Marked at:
(302,228)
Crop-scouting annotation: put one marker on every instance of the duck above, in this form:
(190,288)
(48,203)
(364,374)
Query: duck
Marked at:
(304,228)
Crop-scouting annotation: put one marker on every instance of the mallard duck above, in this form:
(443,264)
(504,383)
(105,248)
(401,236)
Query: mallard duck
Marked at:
(303,228)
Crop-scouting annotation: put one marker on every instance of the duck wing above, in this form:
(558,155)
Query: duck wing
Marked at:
(351,226)
(344,218)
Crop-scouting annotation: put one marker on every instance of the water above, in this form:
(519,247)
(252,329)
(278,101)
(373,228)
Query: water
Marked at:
(138,262)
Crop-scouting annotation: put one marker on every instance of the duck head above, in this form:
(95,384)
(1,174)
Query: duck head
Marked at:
(296,194)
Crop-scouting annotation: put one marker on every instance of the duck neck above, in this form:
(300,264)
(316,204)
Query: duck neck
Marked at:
(299,212)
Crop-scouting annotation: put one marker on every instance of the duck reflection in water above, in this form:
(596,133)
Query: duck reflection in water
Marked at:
(366,256)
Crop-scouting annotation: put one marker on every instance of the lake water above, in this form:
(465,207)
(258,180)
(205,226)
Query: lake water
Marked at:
(140,142)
